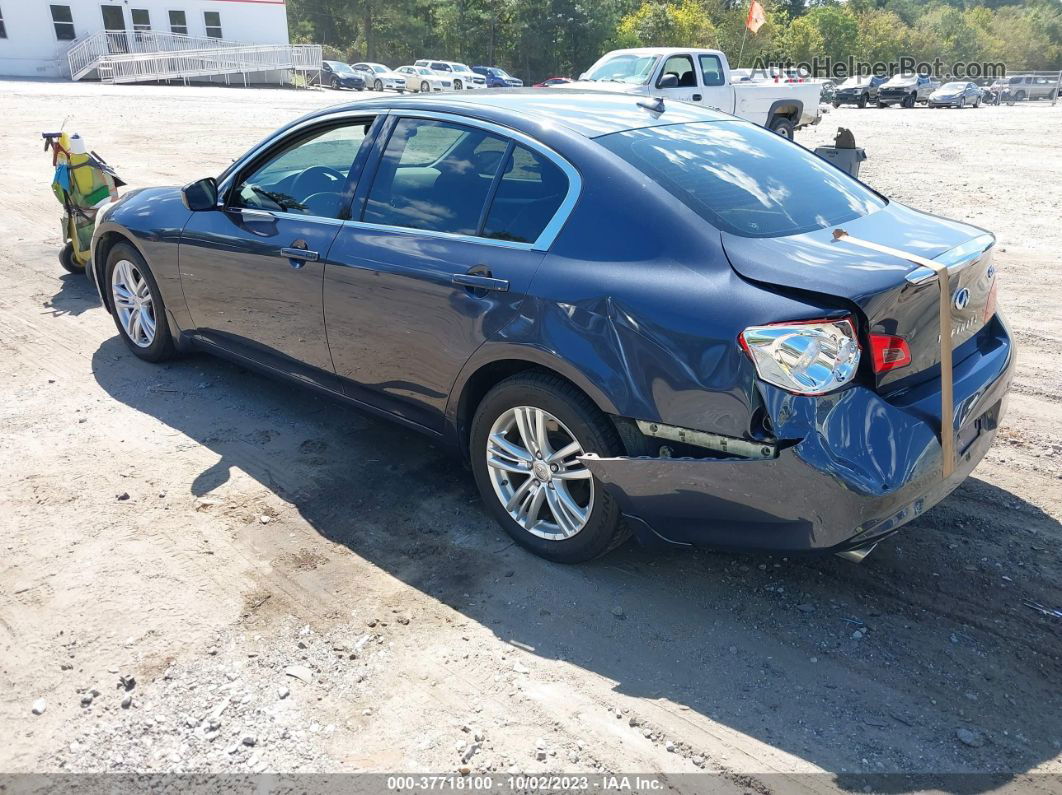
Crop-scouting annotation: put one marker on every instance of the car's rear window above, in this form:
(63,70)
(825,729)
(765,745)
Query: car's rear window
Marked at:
(744,179)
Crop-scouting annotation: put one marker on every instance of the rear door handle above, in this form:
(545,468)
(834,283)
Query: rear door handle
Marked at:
(477,282)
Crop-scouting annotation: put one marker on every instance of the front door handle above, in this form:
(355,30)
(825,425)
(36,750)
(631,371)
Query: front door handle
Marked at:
(697,97)
(300,254)
(475,281)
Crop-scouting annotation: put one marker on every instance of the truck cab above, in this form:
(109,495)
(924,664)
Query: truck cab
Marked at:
(703,77)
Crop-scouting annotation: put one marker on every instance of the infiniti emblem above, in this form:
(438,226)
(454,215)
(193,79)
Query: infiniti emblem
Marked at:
(961,298)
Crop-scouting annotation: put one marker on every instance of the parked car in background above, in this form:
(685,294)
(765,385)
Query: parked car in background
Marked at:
(827,90)
(703,77)
(956,94)
(553,81)
(423,79)
(905,90)
(625,320)
(858,90)
(336,74)
(497,77)
(1018,88)
(379,77)
(459,73)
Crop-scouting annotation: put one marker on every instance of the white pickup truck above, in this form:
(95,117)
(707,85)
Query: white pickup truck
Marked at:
(703,77)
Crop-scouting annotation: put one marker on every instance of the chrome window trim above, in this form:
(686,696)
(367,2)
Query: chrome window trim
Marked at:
(542,243)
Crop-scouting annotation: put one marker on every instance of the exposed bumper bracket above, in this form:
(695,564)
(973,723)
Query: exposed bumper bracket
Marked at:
(711,441)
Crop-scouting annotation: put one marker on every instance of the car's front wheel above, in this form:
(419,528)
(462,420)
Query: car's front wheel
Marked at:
(525,443)
(457,85)
(377,85)
(425,88)
(137,306)
(863,100)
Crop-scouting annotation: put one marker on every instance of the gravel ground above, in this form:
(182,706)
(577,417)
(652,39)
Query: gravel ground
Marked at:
(204,570)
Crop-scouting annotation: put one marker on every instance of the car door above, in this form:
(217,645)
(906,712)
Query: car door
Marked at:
(252,270)
(676,78)
(450,233)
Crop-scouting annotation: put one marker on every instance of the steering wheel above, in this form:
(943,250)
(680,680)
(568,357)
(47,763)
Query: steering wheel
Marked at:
(318,179)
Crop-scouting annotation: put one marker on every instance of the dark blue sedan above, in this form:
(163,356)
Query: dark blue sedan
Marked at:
(336,74)
(628,316)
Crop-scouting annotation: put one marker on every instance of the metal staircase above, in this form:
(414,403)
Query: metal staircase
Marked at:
(142,56)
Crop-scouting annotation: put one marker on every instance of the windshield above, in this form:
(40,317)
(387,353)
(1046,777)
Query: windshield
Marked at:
(340,67)
(744,179)
(378,68)
(460,67)
(953,87)
(634,69)
(901,80)
(855,82)
(424,70)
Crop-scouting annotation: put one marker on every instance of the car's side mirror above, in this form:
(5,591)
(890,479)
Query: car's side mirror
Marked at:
(201,194)
(667,81)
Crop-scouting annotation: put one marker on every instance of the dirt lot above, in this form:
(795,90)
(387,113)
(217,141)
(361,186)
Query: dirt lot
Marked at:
(297,587)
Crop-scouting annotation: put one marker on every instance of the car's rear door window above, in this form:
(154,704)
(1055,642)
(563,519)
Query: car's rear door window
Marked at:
(436,176)
(529,194)
(744,179)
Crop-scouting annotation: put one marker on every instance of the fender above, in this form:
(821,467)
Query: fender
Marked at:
(773,112)
(490,352)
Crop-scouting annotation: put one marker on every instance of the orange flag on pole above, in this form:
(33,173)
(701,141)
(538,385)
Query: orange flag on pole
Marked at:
(757,16)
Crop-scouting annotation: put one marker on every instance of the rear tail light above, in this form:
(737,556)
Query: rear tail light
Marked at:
(888,352)
(804,357)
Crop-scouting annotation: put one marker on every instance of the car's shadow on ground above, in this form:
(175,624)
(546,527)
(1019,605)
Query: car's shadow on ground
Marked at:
(73,297)
(859,670)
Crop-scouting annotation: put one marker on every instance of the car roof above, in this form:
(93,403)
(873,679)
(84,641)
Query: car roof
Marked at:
(587,113)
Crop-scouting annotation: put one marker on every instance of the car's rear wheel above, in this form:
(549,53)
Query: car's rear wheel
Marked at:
(425,88)
(137,306)
(526,439)
(783,127)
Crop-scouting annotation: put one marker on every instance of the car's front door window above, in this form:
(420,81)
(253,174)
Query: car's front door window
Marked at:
(311,176)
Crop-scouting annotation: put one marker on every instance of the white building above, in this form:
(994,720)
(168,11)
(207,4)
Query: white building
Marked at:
(35,34)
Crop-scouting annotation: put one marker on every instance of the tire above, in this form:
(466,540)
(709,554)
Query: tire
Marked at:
(908,101)
(977,102)
(457,85)
(334,84)
(425,88)
(836,104)
(783,127)
(1019,97)
(962,102)
(377,85)
(66,259)
(863,100)
(882,104)
(160,347)
(571,415)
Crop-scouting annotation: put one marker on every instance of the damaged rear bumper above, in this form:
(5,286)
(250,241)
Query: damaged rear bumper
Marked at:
(864,466)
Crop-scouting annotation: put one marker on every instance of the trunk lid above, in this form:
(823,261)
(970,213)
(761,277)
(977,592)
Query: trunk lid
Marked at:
(879,284)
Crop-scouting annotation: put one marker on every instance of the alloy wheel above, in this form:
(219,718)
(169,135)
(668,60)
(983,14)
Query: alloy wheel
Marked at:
(133,303)
(533,464)
(377,86)
(425,88)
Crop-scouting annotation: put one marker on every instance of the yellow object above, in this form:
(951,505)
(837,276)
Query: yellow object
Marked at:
(80,172)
